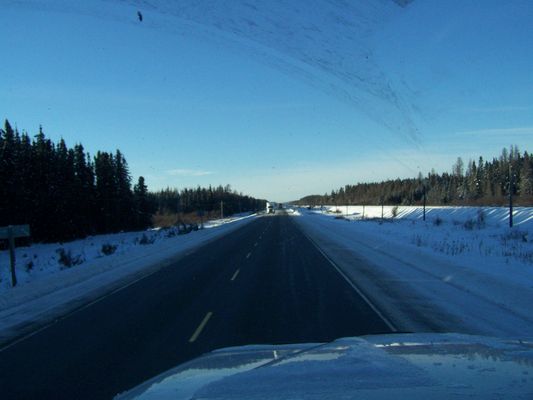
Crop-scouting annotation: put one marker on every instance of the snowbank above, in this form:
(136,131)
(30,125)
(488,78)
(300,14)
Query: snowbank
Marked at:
(292,211)
(492,215)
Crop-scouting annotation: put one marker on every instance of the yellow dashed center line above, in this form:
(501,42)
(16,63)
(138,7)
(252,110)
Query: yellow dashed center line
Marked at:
(235,275)
(200,327)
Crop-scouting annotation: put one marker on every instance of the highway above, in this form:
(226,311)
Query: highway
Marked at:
(265,283)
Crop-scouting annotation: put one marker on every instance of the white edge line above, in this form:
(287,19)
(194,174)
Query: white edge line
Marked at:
(81,308)
(363,296)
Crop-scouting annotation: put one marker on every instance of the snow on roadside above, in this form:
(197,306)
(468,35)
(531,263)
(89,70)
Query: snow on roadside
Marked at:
(466,233)
(43,259)
(292,211)
(50,289)
(463,270)
(498,216)
(221,221)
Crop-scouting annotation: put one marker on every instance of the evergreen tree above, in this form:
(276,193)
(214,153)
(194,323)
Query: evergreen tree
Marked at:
(143,208)
(105,192)
(526,177)
(123,197)
(486,182)
(84,191)
(60,192)
(7,172)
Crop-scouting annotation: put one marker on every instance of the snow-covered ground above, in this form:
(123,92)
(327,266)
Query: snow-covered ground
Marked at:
(40,260)
(495,216)
(50,288)
(462,270)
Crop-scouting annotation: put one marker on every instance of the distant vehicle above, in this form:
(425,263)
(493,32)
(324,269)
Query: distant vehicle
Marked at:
(270,208)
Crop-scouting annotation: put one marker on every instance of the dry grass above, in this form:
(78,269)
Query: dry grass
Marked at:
(164,220)
(171,219)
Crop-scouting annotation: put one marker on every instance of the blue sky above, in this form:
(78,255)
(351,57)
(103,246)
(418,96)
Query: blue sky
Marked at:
(188,104)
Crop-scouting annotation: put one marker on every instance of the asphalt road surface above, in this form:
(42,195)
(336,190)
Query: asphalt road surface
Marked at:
(265,283)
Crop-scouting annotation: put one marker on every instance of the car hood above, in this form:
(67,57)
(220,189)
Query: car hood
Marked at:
(436,366)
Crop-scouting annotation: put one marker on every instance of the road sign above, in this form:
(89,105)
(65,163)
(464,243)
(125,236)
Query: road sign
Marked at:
(16,231)
(10,233)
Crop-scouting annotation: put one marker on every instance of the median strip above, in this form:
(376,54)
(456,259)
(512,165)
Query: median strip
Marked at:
(200,327)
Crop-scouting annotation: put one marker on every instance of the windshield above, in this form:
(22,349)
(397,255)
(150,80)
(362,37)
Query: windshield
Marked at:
(178,177)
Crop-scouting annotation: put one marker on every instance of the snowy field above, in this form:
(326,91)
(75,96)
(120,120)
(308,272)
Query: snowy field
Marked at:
(462,270)
(494,216)
(50,285)
(467,233)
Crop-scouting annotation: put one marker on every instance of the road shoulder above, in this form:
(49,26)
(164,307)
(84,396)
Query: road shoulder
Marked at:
(420,292)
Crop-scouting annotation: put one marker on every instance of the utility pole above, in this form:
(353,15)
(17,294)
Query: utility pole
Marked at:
(11,240)
(178,211)
(510,195)
(424,201)
(221,209)
(363,211)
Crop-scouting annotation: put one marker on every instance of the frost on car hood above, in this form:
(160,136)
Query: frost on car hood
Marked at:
(437,366)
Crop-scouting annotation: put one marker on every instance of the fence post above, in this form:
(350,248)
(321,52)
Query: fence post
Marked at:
(11,240)
(510,196)
(424,192)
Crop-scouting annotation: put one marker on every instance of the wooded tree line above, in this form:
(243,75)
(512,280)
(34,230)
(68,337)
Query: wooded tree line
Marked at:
(170,201)
(480,182)
(64,193)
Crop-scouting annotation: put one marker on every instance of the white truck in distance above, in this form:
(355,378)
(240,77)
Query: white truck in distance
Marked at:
(270,208)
